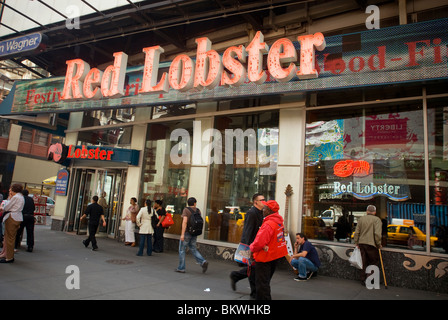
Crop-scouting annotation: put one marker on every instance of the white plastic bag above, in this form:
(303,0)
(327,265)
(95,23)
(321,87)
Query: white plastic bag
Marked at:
(355,259)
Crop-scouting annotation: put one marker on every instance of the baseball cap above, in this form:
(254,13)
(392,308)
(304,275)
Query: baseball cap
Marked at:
(271,204)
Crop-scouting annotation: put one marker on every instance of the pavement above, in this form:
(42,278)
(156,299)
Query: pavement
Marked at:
(61,268)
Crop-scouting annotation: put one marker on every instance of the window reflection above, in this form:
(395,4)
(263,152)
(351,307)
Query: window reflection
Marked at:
(115,137)
(163,179)
(248,166)
(438,174)
(373,155)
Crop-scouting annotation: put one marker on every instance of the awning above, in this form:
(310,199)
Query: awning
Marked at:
(50,181)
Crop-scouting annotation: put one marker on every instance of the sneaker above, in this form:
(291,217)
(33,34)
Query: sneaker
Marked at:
(309,275)
(204,266)
(180,271)
(84,243)
(299,278)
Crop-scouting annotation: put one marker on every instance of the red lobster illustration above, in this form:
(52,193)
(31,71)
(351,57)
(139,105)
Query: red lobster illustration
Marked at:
(346,168)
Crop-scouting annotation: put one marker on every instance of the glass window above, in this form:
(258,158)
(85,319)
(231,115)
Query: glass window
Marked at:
(438,174)
(108,117)
(248,165)
(116,137)
(41,138)
(26,135)
(173,110)
(355,157)
(4,128)
(163,179)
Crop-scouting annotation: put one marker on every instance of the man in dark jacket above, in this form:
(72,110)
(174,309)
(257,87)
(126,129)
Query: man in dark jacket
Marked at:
(252,222)
(95,213)
(28,222)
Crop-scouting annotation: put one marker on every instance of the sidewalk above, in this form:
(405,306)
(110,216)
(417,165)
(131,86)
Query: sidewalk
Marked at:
(115,272)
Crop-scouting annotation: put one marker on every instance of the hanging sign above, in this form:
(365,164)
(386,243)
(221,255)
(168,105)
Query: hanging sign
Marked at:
(16,46)
(62,182)
(60,153)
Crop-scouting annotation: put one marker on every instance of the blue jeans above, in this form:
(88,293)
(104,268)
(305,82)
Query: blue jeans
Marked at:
(303,265)
(190,242)
(148,238)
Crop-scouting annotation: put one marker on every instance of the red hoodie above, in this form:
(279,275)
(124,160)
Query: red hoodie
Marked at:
(271,234)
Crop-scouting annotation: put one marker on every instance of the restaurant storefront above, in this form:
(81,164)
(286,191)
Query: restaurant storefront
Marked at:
(363,122)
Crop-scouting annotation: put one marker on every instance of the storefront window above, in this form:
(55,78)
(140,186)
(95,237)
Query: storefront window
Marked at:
(173,110)
(438,174)
(119,137)
(116,137)
(108,117)
(163,179)
(4,128)
(248,165)
(361,156)
(41,138)
(26,135)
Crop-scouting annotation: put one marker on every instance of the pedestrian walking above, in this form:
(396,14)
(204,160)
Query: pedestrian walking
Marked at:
(95,213)
(130,218)
(187,239)
(143,221)
(12,218)
(252,223)
(367,238)
(27,223)
(159,230)
(268,248)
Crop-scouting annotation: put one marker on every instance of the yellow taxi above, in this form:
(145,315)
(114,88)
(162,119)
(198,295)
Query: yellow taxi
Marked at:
(234,214)
(404,232)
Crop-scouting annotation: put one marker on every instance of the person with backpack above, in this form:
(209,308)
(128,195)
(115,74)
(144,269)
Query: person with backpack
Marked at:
(192,225)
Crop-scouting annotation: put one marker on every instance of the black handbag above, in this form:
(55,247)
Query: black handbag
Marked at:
(154,219)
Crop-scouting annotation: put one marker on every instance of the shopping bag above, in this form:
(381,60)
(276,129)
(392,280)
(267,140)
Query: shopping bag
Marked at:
(355,259)
(168,221)
(243,255)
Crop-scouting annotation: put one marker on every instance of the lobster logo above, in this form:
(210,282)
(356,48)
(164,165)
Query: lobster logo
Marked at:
(57,152)
(346,168)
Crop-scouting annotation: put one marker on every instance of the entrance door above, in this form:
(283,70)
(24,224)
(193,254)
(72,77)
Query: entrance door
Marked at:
(108,185)
(110,188)
(84,194)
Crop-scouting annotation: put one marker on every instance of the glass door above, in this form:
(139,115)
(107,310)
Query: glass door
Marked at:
(110,191)
(83,199)
(108,185)
(115,202)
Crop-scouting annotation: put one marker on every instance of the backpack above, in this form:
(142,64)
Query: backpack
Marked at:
(195,223)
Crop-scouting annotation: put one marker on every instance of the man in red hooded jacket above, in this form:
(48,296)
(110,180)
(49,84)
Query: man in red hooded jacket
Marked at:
(268,247)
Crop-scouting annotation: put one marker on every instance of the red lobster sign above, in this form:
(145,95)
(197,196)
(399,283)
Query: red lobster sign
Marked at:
(346,168)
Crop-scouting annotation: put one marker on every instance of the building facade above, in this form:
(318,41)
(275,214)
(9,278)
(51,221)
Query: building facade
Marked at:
(324,124)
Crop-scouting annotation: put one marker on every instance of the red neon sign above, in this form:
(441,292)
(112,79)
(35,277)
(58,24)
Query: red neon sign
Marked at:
(346,168)
(208,71)
(91,154)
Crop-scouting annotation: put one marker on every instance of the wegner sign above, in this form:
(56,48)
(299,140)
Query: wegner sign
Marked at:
(12,47)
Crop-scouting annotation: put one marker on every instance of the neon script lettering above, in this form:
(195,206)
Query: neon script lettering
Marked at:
(208,71)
